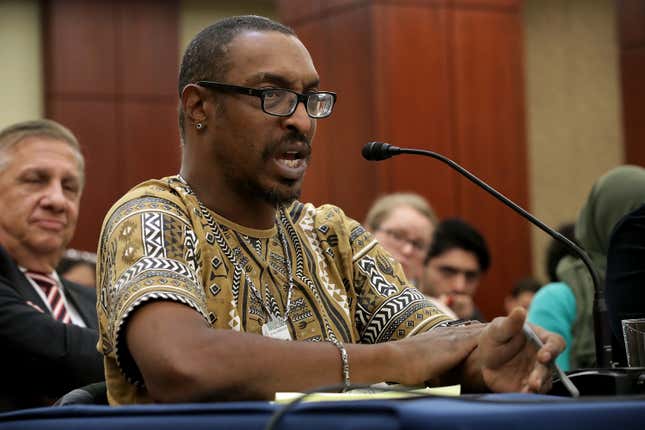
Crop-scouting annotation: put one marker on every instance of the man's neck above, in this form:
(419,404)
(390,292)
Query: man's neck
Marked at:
(248,212)
(44,263)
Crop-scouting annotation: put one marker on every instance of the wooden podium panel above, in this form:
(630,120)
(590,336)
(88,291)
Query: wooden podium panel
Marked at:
(415,107)
(338,173)
(110,71)
(440,75)
(489,140)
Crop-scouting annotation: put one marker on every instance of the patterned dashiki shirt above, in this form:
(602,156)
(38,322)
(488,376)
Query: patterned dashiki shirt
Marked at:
(159,242)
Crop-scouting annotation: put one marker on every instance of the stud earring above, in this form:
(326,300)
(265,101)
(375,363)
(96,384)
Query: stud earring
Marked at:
(199,126)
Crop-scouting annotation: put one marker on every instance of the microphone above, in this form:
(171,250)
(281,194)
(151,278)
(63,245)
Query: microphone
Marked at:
(377,151)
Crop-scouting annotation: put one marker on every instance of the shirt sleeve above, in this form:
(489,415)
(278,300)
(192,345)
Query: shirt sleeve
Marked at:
(388,307)
(148,252)
(554,308)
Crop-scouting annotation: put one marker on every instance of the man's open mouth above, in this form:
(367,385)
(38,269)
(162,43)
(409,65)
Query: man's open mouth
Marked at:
(291,159)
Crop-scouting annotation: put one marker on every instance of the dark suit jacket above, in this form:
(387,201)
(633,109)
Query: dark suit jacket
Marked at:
(625,279)
(41,358)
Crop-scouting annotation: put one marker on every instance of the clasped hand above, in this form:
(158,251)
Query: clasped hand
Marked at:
(484,357)
(511,362)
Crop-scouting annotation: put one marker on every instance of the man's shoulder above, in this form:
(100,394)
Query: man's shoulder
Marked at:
(164,188)
(12,279)
(329,222)
(323,219)
(8,268)
(323,214)
(164,195)
(79,290)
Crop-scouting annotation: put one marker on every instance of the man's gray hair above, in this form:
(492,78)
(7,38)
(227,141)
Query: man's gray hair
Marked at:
(43,128)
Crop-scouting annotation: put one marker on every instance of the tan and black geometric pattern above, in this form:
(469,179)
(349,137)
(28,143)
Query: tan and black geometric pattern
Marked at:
(158,244)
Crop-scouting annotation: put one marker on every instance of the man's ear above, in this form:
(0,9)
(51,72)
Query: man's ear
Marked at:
(192,102)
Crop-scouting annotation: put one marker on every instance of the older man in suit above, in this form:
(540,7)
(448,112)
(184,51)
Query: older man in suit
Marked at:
(47,325)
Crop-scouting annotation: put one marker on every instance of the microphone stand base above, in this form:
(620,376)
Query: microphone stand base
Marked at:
(604,382)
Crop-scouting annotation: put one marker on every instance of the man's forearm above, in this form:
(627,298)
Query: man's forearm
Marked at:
(213,364)
(245,366)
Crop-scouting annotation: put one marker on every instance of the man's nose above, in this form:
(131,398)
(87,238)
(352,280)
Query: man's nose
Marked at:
(54,196)
(300,121)
(407,249)
(459,283)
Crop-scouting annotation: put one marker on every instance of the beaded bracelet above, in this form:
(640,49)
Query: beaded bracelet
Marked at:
(344,358)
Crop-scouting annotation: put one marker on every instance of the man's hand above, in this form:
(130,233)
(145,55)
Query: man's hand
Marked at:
(495,356)
(431,358)
(511,362)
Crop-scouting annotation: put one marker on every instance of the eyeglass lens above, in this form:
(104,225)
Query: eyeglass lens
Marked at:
(279,102)
(282,102)
(319,105)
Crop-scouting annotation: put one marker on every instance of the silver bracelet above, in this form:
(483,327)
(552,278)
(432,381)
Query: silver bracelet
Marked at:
(460,323)
(344,358)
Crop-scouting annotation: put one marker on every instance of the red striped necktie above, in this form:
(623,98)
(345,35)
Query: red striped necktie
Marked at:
(50,287)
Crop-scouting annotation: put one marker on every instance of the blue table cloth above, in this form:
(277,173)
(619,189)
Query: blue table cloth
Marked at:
(493,411)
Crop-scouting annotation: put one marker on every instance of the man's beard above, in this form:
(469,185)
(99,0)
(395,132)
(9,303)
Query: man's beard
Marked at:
(276,197)
(282,194)
(279,195)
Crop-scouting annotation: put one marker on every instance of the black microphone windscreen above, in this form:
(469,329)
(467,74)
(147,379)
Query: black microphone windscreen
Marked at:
(376,151)
(366,152)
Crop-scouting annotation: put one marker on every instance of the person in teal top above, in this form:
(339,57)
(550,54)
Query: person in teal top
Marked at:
(554,306)
(566,307)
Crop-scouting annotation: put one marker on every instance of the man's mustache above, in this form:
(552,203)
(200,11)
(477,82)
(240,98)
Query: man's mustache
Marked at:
(295,136)
(292,137)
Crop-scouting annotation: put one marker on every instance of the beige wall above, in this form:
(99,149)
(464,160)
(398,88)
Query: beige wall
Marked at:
(574,129)
(21,75)
(197,14)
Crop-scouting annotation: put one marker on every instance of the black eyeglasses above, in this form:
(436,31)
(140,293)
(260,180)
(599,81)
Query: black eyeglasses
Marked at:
(283,102)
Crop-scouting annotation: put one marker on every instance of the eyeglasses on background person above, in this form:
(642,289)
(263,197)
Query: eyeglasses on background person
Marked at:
(400,237)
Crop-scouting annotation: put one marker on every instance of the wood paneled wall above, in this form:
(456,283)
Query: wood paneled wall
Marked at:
(439,75)
(631,22)
(110,76)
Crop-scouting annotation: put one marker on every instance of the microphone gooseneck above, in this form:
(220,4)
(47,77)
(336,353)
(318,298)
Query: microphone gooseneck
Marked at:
(376,151)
